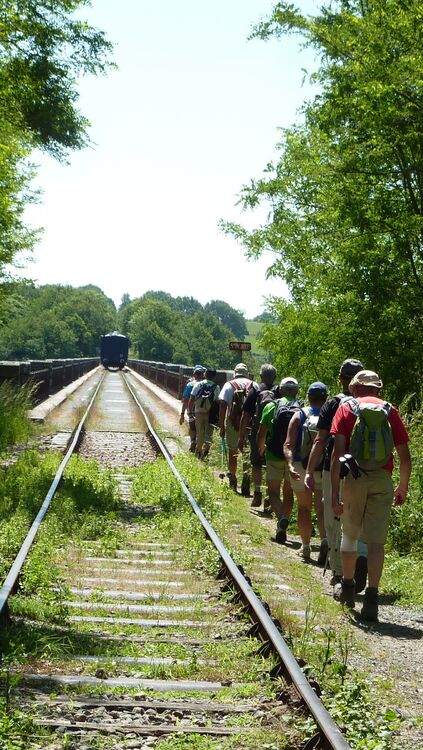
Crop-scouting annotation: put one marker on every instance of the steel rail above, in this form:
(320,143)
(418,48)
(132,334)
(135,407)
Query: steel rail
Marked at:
(12,576)
(330,734)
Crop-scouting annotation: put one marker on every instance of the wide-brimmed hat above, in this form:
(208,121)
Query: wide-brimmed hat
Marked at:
(367,377)
(241,369)
(350,367)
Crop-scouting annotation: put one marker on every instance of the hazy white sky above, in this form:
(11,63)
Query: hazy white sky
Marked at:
(190,116)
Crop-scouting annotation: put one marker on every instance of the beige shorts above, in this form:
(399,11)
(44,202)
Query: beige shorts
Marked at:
(298,484)
(367,506)
(232,436)
(276,471)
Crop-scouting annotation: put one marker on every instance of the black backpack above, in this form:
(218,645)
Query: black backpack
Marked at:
(264,397)
(281,419)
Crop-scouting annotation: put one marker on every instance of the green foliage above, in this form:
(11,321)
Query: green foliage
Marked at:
(44,49)
(346,210)
(14,405)
(163,328)
(56,321)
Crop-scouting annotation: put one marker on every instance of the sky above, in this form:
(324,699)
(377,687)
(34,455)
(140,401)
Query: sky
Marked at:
(191,115)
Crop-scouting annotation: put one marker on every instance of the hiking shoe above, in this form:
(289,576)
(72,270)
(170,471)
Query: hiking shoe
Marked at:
(369,611)
(360,574)
(347,593)
(280,535)
(305,552)
(232,482)
(323,553)
(337,588)
(256,501)
(267,507)
(245,485)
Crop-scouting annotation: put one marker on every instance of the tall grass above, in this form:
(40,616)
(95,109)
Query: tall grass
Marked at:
(14,404)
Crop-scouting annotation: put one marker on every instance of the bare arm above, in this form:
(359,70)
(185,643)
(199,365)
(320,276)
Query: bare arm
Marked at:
(223,406)
(183,410)
(291,443)
(190,408)
(400,492)
(315,457)
(243,426)
(261,438)
(339,447)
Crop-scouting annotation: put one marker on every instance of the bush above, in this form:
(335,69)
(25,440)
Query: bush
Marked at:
(14,405)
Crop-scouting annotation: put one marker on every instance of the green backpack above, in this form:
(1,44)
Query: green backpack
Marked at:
(371,441)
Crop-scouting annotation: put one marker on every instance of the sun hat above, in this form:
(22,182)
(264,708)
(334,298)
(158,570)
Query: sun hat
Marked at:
(367,377)
(350,367)
(318,387)
(241,369)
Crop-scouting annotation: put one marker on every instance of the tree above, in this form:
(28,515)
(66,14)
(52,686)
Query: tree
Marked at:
(44,48)
(231,318)
(346,197)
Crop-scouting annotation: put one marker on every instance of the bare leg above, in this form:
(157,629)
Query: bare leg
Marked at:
(257,477)
(274,490)
(304,515)
(318,507)
(288,498)
(232,461)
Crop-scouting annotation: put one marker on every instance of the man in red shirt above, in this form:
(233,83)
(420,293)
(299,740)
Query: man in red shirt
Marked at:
(365,502)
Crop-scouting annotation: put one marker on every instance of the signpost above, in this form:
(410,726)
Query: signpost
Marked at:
(240,346)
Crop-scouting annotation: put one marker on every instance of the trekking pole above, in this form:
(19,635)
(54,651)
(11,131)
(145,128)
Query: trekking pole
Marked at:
(224,458)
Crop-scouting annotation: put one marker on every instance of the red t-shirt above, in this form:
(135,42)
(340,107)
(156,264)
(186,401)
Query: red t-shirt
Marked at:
(344,421)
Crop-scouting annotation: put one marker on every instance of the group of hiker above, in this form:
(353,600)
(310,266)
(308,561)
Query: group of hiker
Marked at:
(335,454)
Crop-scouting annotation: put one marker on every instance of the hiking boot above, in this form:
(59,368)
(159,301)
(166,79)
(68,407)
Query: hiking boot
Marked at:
(257,498)
(347,593)
(360,574)
(323,553)
(305,552)
(267,507)
(192,448)
(336,582)
(232,482)
(245,485)
(280,535)
(206,451)
(369,611)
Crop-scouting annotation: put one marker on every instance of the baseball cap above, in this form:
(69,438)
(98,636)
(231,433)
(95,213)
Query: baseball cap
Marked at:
(199,368)
(318,387)
(241,369)
(367,377)
(289,383)
(350,367)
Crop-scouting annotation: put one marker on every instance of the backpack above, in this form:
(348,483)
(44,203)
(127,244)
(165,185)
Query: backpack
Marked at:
(240,393)
(264,397)
(307,434)
(204,398)
(371,441)
(281,419)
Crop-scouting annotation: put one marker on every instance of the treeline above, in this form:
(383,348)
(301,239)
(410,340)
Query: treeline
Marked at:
(55,321)
(346,198)
(180,329)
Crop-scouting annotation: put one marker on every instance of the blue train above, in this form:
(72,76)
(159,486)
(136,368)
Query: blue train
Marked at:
(114,350)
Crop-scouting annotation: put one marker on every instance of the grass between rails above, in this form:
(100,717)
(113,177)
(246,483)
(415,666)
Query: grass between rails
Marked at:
(326,649)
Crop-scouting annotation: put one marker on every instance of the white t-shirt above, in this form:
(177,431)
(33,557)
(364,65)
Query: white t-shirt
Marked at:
(227,392)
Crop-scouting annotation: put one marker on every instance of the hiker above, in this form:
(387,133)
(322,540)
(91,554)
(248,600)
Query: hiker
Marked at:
(322,447)
(231,400)
(257,397)
(203,404)
(365,430)
(197,375)
(299,440)
(270,439)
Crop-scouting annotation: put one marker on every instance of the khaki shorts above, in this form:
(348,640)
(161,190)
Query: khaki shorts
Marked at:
(367,506)
(232,436)
(298,484)
(277,471)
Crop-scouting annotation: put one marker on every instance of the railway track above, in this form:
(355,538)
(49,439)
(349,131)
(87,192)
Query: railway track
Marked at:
(148,637)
